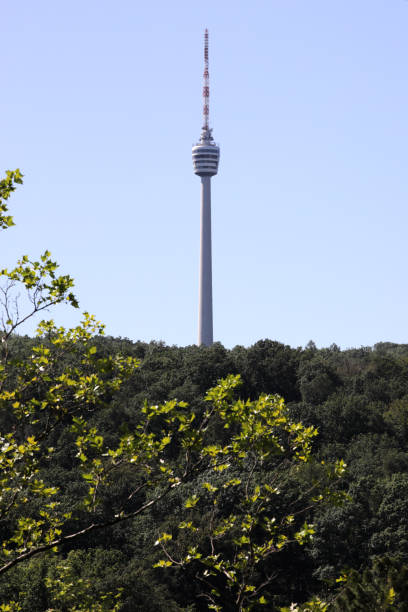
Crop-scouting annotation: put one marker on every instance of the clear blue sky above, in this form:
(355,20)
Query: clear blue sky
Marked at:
(100,104)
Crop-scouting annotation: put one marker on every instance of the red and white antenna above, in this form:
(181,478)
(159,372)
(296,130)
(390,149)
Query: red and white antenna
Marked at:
(206,87)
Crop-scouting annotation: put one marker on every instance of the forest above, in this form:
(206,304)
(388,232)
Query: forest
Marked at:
(140,476)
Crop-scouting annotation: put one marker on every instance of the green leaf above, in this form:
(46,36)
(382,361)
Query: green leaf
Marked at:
(191,501)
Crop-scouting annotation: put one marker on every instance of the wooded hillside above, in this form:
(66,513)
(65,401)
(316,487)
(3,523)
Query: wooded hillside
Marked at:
(358,401)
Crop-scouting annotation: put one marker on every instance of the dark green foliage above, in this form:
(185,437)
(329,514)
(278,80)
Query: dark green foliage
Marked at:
(358,399)
(268,367)
(317,380)
(381,588)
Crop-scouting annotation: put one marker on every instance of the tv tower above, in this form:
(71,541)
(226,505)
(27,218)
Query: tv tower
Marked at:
(206,155)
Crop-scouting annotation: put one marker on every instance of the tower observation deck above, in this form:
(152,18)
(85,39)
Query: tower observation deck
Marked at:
(206,155)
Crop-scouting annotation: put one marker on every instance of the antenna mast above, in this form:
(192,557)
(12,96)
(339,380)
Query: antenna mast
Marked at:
(206,87)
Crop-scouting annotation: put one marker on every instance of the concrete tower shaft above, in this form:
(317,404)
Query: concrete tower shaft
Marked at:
(205,307)
(206,155)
